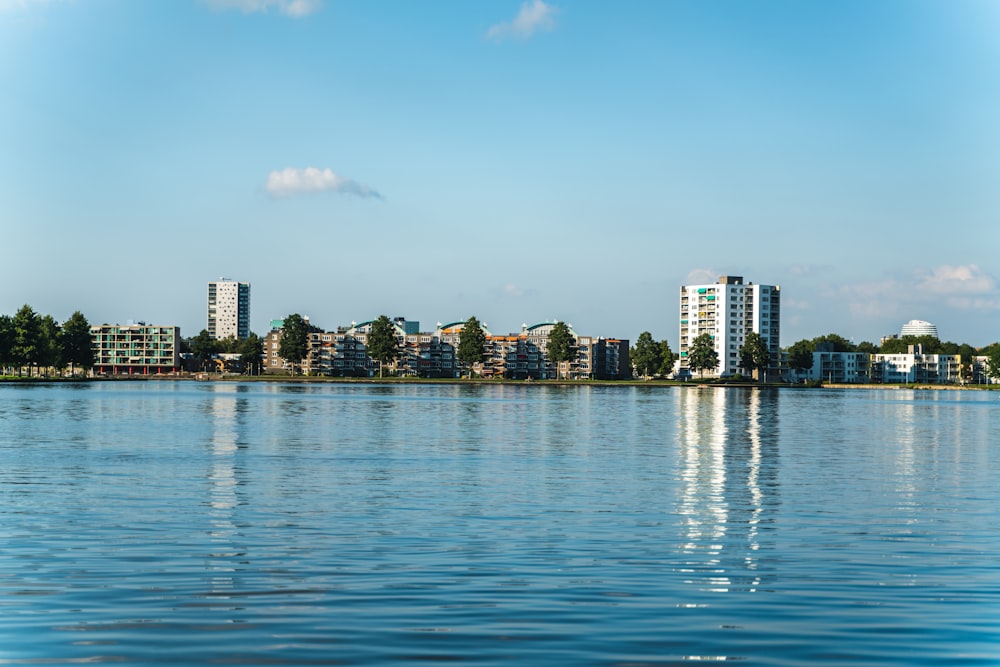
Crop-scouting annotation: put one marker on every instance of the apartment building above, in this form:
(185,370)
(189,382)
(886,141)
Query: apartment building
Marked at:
(840,367)
(728,311)
(228,309)
(905,368)
(434,354)
(916,367)
(135,349)
(523,355)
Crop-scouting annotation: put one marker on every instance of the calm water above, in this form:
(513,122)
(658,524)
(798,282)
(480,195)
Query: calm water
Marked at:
(151,523)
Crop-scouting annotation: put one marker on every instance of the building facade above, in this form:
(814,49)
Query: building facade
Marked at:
(228,309)
(434,354)
(135,349)
(727,311)
(911,367)
(916,368)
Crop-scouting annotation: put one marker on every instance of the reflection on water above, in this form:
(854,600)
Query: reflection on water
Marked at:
(728,445)
(213,523)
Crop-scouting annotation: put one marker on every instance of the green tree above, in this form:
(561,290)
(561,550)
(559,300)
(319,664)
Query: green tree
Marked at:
(294,346)
(800,355)
(382,344)
(6,341)
(561,346)
(667,359)
(77,343)
(702,355)
(228,345)
(251,351)
(203,346)
(27,336)
(754,355)
(49,351)
(931,345)
(993,361)
(646,356)
(840,344)
(867,347)
(471,344)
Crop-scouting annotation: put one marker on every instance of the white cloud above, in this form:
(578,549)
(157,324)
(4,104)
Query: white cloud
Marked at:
(534,15)
(510,289)
(956,280)
(289,181)
(6,5)
(293,8)
(962,288)
(701,277)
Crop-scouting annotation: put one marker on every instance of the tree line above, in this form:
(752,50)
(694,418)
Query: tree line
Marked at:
(38,343)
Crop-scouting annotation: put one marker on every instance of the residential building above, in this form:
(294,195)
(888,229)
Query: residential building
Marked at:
(434,354)
(728,311)
(918,328)
(522,356)
(979,373)
(916,367)
(228,309)
(839,367)
(135,349)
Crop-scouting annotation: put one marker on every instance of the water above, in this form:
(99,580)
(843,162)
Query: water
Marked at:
(262,524)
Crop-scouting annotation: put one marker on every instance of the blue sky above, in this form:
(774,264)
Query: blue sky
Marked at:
(517,161)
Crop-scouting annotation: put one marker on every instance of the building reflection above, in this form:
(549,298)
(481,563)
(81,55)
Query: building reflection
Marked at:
(225,476)
(727,444)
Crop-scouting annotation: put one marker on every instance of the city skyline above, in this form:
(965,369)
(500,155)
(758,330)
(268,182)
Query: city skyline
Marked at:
(555,160)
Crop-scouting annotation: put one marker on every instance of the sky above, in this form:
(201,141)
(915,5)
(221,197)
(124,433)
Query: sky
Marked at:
(517,161)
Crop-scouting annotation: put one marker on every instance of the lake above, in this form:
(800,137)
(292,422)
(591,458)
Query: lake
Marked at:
(147,523)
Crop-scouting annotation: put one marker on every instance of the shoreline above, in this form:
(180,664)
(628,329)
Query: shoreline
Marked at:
(663,384)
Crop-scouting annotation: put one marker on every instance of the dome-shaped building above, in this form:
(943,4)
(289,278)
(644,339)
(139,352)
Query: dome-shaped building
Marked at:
(918,328)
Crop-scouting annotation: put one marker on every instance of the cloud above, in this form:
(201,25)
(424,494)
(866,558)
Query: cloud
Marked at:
(962,288)
(534,15)
(293,8)
(8,5)
(956,280)
(289,182)
(701,277)
(512,290)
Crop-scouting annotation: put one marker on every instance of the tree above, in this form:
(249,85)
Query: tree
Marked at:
(49,351)
(561,346)
(77,343)
(382,344)
(6,341)
(203,346)
(931,345)
(646,357)
(840,344)
(867,347)
(754,355)
(702,355)
(251,351)
(667,359)
(800,355)
(294,345)
(993,361)
(471,344)
(27,335)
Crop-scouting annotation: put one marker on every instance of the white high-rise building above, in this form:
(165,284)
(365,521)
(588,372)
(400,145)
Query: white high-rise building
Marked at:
(228,309)
(727,311)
